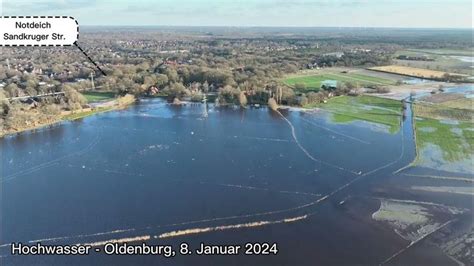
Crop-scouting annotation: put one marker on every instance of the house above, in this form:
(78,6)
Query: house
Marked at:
(153,90)
(329,84)
(312,65)
(335,54)
(31,103)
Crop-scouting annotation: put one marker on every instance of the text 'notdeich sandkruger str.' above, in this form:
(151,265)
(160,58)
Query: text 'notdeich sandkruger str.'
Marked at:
(38,31)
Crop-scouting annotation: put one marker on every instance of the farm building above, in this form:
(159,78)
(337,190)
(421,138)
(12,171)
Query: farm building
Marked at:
(329,84)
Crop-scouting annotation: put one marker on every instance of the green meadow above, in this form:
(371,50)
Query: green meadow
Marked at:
(313,82)
(98,96)
(346,109)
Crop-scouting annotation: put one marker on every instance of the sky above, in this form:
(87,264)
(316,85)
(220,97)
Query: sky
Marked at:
(298,13)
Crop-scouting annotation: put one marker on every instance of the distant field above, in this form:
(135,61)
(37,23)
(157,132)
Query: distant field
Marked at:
(410,71)
(365,108)
(313,82)
(448,60)
(97,96)
(457,52)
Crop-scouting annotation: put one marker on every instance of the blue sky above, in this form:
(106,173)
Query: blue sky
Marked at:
(306,13)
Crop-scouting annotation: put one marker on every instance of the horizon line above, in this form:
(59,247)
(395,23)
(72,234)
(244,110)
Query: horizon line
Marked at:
(290,26)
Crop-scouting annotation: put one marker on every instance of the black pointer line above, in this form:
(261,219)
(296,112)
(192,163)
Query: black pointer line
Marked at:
(90,59)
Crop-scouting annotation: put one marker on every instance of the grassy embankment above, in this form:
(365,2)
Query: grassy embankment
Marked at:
(118,103)
(79,114)
(312,82)
(347,109)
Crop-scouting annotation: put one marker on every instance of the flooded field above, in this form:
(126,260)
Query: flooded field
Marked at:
(327,190)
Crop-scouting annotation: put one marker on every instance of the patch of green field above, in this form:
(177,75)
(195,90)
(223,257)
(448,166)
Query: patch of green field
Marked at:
(313,82)
(347,109)
(370,79)
(388,104)
(309,82)
(455,140)
(98,96)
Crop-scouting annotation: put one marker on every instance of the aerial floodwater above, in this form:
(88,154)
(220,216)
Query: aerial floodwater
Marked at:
(320,190)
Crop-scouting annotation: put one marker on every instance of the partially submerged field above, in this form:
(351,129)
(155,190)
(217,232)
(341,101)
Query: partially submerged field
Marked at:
(445,132)
(377,110)
(454,139)
(312,80)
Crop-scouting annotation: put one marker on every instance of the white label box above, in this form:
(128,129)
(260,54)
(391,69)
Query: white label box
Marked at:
(38,31)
